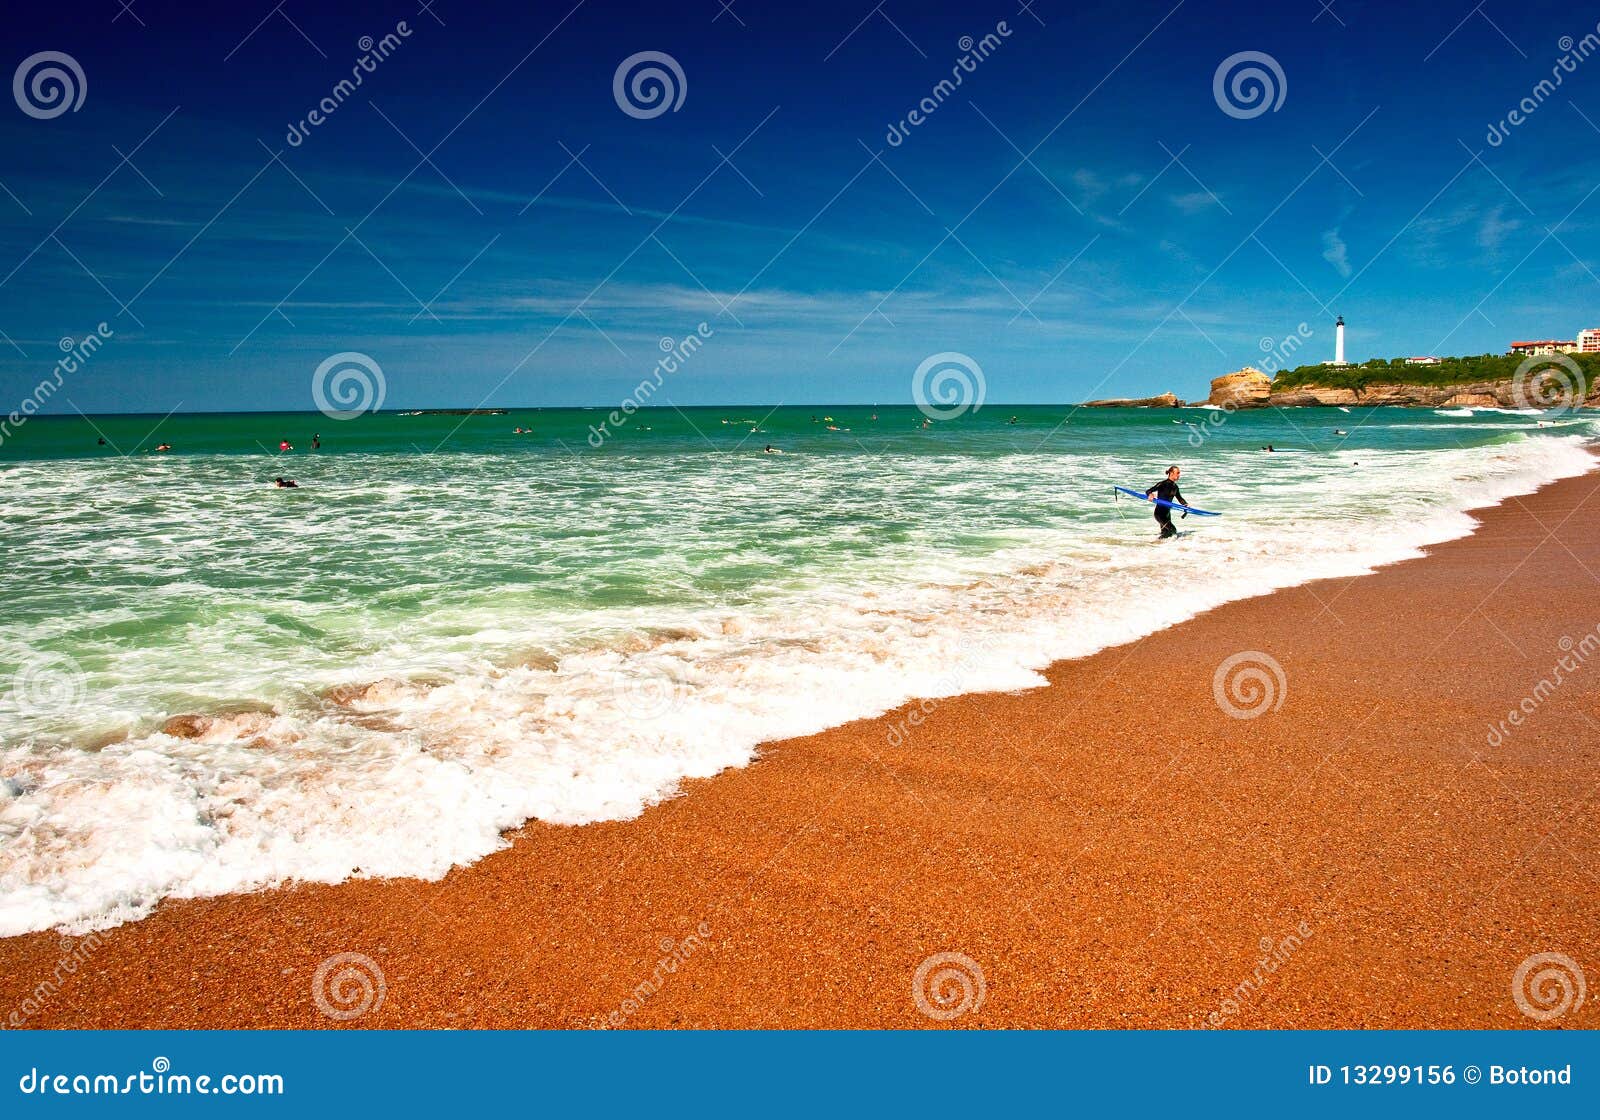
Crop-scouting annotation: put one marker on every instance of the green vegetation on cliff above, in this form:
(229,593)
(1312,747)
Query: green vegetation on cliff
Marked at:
(1451,371)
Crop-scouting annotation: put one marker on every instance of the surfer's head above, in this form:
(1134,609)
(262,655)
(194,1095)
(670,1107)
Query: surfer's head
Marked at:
(1173,472)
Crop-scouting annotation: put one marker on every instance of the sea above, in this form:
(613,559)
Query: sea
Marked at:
(448,628)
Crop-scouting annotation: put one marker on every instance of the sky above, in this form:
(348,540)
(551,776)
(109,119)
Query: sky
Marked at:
(490,223)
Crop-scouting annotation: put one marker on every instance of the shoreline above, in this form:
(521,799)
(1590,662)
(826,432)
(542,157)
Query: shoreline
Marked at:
(1103,864)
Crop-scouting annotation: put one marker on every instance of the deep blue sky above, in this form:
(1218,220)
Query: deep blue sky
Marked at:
(839,274)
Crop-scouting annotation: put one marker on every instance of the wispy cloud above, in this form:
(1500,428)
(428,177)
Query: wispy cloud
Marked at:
(1336,252)
(1495,228)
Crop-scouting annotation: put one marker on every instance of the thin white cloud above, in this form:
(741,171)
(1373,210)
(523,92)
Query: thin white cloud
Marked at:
(1336,252)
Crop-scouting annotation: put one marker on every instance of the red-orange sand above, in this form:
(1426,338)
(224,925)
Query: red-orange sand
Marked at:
(1111,851)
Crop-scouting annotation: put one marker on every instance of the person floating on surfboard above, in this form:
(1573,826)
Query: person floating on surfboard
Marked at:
(1167,490)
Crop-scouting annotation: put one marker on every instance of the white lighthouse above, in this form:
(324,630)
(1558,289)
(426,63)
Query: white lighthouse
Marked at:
(1338,342)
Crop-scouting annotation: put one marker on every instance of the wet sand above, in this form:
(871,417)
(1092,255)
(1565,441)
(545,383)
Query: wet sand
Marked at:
(1115,850)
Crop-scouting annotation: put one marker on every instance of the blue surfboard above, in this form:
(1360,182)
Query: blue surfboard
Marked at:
(1163,502)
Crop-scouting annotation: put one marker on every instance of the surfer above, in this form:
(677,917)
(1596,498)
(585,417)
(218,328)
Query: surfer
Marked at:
(286,484)
(1167,490)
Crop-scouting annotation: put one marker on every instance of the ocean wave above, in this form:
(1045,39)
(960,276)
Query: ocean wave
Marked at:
(294,736)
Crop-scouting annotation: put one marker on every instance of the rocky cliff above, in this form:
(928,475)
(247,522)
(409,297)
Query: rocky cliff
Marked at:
(1250,388)
(1247,388)
(1165,400)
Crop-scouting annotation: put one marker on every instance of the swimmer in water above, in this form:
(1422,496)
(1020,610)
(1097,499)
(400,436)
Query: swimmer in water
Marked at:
(163,447)
(286,484)
(1167,490)
(285,445)
(316,442)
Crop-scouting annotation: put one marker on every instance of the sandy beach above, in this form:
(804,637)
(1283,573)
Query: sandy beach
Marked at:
(1360,844)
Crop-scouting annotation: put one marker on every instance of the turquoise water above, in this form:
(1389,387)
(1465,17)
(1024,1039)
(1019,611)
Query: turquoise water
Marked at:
(211,684)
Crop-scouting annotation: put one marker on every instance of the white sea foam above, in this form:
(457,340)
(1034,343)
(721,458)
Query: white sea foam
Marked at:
(415,742)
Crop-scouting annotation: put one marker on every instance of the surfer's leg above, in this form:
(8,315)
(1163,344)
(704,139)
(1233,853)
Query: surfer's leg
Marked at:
(1164,519)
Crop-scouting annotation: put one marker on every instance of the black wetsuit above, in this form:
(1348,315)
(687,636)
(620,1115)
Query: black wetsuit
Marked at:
(1167,490)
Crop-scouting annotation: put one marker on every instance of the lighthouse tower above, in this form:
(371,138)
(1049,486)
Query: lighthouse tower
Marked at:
(1338,342)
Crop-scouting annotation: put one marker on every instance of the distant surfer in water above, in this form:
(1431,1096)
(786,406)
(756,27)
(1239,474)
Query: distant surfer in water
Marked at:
(1167,490)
